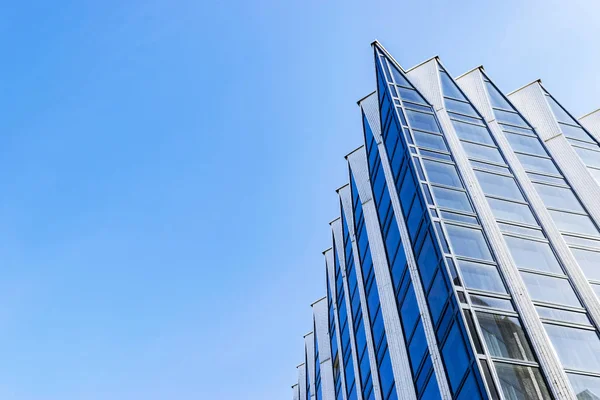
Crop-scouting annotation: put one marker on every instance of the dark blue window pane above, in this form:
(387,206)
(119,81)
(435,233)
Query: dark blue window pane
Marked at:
(417,347)
(409,312)
(432,390)
(386,375)
(437,296)
(470,389)
(455,356)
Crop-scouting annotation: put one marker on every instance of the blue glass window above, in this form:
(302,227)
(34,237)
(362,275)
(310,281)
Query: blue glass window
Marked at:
(454,352)
(449,87)
(510,117)
(423,121)
(589,261)
(532,254)
(496,99)
(479,152)
(537,164)
(504,337)
(510,211)
(526,144)
(576,348)
(521,382)
(550,289)
(591,158)
(468,242)
(473,133)
(431,141)
(444,174)
(481,277)
(447,198)
(460,107)
(585,387)
(557,197)
(498,185)
(574,223)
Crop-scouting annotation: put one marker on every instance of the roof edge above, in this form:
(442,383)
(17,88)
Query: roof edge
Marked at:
(479,67)
(524,86)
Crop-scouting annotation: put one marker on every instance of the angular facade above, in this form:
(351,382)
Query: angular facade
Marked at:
(465,262)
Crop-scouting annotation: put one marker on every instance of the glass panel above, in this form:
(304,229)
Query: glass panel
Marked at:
(444,174)
(510,118)
(537,164)
(511,128)
(585,387)
(590,158)
(557,197)
(531,254)
(419,120)
(473,133)
(576,348)
(433,154)
(473,332)
(596,289)
(481,276)
(468,242)
(497,185)
(504,337)
(519,382)
(460,107)
(562,315)
(509,211)
(449,87)
(429,140)
(574,223)
(575,132)
(488,379)
(595,173)
(520,230)
(489,167)
(496,99)
(411,95)
(459,217)
(550,289)
(526,144)
(491,302)
(453,199)
(559,112)
(545,178)
(579,241)
(589,261)
(479,152)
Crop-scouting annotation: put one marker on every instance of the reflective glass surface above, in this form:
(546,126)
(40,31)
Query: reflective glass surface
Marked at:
(519,382)
(574,223)
(481,276)
(468,242)
(585,387)
(589,261)
(531,254)
(576,348)
(504,337)
(510,211)
(473,133)
(558,197)
(444,174)
(550,289)
(452,199)
(498,185)
(480,152)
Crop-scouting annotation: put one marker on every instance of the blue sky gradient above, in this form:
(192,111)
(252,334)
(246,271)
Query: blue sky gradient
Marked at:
(167,173)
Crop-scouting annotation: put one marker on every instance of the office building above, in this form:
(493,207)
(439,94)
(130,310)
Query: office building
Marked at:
(465,261)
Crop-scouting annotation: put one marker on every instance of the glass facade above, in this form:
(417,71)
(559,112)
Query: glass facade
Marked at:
(463,323)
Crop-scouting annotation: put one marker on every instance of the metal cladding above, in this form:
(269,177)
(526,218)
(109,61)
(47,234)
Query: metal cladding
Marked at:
(465,261)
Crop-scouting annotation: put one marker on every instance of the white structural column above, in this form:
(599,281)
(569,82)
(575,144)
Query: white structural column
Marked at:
(591,122)
(330,270)
(391,319)
(370,107)
(321,317)
(346,197)
(296,390)
(540,116)
(557,379)
(338,238)
(531,102)
(302,381)
(309,344)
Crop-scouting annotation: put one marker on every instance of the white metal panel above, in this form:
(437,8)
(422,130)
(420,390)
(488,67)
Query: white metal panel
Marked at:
(346,197)
(338,237)
(548,359)
(391,319)
(424,77)
(321,316)
(309,344)
(330,266)
(302,381)
(296,390)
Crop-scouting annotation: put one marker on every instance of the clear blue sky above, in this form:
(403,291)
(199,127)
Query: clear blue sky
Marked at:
(167,173)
